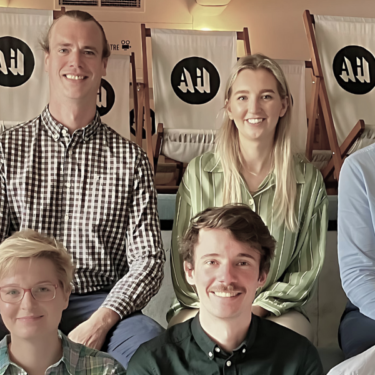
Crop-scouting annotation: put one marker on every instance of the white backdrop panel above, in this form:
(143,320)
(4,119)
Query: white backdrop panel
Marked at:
(333,34)
(181,87)
(294,71)
(20,32)
(114,99)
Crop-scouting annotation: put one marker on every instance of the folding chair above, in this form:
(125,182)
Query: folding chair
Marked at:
(190,69)
(343,67)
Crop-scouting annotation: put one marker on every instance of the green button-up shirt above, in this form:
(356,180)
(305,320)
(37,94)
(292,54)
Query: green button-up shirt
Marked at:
(268,349)
(299,255)
(77,359)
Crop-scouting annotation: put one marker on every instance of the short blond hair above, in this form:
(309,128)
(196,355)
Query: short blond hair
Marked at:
(30,244)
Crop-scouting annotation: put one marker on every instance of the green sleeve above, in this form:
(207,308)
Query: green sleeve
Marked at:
(186,297)
(293,290)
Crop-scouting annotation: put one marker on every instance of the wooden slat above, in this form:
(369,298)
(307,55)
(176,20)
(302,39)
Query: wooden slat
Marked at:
(146,98)
(307,19)
(312,118)
(244,35)
(135,91)
(58,13)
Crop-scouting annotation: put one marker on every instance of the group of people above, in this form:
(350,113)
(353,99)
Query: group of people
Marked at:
(81,251)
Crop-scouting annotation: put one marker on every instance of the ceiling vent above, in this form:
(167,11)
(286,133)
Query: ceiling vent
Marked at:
(110,4)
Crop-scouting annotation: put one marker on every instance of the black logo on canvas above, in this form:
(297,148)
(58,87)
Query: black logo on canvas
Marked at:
(17,62)
(133,125)
(354,69)
(195,80)
(106,98)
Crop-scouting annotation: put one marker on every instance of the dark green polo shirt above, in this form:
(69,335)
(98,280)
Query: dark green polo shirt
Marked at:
(269,349)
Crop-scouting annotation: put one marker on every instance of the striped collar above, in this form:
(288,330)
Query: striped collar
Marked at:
(211,163)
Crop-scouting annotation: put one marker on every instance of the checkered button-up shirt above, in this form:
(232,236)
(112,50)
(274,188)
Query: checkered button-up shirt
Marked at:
(77,359)
(93,191)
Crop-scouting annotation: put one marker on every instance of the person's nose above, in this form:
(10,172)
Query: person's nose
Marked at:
(28,300)
(227,273)
(253,105)
(75,59)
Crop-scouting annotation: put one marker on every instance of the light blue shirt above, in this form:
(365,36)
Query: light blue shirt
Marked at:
(356,234)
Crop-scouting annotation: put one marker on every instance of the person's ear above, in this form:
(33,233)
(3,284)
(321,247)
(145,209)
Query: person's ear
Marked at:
(105,64)
(66,298)
(284,106)
(228,109)
(46,61)
(189,273)
(262,279)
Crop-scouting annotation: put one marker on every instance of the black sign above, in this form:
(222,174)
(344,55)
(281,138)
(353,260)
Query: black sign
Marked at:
(133,125)
(17,62)
(354,69)
(195,80)
(106,98)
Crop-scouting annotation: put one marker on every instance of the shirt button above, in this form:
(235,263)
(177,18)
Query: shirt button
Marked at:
(64,131)
(217,350)
(66,217)
(251,201)
(229,363)
(210,354)
(243,351)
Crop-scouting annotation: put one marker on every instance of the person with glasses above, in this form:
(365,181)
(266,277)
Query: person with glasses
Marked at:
(36,273)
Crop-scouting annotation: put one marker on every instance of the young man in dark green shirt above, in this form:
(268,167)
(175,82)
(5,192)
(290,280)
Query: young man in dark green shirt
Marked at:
(227,253)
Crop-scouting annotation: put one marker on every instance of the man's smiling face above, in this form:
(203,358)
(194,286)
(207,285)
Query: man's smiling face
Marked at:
(74,62)
(225,274)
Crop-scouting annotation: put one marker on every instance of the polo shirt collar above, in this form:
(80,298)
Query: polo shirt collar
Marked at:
(211,349)
(55,129)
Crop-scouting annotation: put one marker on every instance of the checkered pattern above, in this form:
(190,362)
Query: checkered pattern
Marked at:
(77,359)
(94,192)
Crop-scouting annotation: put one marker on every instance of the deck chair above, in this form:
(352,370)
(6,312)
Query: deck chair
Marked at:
(189,70)
(343,67)
(23,83)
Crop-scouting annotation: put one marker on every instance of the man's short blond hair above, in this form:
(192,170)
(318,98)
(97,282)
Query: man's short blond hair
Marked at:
(30,244)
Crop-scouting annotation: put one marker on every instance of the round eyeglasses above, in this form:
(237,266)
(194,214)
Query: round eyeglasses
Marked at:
(40,292)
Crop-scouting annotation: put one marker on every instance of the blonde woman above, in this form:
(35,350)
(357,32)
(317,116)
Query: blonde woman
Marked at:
(254,164)
(35,284)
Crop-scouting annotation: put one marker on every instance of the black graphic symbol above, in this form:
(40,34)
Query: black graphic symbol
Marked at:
(195,80)
(17,62)
(354,69)
(126,44)
(106,98)
(133,127)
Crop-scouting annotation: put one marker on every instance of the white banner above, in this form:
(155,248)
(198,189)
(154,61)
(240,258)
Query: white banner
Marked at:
(190,69)
(113,96)
(346,49)
(24,88)
(295,75)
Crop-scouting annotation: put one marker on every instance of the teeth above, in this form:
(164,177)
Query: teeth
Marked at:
(255,120)
(70,76)
(225,294)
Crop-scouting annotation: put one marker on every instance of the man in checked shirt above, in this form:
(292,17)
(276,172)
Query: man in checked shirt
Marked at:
(69,176)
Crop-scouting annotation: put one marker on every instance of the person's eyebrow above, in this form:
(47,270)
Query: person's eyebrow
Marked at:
(246,255)
(209,255)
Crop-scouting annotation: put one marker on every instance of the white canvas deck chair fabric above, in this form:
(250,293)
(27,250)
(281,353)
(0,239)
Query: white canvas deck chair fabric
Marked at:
(190,69)
(343,59)
(113,95)
(294,71)
(23,83)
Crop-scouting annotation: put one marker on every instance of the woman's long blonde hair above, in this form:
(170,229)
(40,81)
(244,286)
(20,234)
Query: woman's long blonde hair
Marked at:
(228,145)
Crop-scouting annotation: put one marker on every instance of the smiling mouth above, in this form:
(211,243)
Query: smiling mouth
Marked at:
(254,120)
(30,318)
(226,294)
(73,77)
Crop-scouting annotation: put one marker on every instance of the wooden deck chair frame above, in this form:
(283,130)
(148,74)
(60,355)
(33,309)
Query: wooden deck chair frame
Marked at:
(154,153)
(59,13)
(319,106)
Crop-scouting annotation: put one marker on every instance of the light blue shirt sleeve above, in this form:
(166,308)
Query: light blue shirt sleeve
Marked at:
(356,235)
